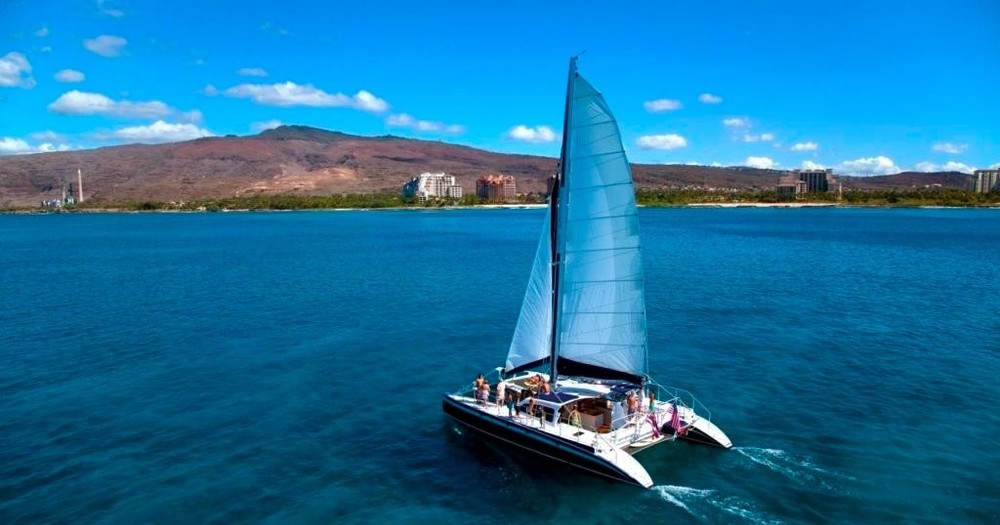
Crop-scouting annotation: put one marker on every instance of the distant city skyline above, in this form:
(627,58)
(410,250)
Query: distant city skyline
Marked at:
(864,88)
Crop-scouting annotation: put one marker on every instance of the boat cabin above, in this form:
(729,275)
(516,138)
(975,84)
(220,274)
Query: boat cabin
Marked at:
(593,413)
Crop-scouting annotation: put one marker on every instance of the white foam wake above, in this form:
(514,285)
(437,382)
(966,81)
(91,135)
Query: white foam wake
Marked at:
(797,468)
(705,504)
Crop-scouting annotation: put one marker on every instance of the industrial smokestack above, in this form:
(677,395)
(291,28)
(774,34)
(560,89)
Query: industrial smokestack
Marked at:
(79,186)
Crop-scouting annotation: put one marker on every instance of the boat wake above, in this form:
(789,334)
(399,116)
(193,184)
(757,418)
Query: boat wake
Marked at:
(798,469)
(705,504)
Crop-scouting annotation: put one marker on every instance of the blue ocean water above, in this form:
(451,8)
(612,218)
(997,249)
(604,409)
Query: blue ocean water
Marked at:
(288,367)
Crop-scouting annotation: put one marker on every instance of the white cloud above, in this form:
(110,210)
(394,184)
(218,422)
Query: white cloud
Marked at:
(48,147)
(810,165)
(404,120)
(880,165)
(708,98)
(251,72)
(536,134)
(12,146)
(193,116)
(948,147)
(15,71)
(42,32)
(666,142)
(948,166)
(270,28)
(763,137)
(105,45)
(364,100)
(736,122)
(210,90)
(267,124)
(81,103)
(114,13)
(70,75)
(161,131)
(995,166)
(291,94)
(661,105)
(804,146)
(47,136)
(764,163)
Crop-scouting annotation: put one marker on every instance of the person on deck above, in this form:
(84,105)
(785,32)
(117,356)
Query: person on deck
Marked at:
(574,418)
(501,391)
(633,404)
(511,403)
(535,383)
(483,394)
(546,388)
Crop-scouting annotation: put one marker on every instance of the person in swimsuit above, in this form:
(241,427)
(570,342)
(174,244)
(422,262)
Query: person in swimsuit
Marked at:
(501,391)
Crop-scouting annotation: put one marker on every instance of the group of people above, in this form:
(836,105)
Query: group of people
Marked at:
(504,396)
(632,403)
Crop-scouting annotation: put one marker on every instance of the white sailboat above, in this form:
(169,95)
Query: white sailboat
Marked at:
(575,378)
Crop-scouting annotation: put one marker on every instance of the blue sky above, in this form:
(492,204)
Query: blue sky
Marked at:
(864,87)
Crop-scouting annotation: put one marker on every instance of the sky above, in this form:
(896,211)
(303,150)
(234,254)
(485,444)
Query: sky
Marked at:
(866,87)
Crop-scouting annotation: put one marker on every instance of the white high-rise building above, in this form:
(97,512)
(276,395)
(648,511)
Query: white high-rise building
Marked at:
(985,181)
(428,185)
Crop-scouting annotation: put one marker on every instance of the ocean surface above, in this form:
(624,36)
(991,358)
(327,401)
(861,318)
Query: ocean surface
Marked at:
(289,367)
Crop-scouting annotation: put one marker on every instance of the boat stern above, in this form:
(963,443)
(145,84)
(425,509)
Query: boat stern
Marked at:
(705,432)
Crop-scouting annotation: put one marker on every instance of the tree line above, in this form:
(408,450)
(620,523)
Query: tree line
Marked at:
(644,196)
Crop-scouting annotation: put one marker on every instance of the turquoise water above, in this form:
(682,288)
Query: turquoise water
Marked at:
(288,367)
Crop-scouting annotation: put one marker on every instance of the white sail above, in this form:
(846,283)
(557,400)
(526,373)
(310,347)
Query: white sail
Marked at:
(531,337)
(602,314)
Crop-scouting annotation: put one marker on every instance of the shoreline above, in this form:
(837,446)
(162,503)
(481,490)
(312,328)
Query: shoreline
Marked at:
(700,205)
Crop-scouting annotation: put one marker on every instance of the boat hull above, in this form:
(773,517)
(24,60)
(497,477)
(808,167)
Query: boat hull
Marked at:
(563,450)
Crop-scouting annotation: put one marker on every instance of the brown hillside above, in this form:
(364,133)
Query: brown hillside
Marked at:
(298,159)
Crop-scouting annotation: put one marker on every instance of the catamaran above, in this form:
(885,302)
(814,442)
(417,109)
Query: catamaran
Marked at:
(575,386)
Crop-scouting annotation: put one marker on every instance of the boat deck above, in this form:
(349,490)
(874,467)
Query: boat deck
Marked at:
(638,432)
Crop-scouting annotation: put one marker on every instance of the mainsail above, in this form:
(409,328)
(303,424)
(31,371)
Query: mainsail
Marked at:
(601,317)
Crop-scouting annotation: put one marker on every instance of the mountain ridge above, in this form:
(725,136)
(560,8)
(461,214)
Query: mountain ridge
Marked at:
(313,161)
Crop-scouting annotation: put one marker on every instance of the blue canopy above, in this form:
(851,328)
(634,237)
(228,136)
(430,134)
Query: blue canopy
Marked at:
(558,398)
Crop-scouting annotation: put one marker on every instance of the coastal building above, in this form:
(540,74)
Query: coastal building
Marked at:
(985,181)
(790,187)
(67,198)
(432,185)
(797,183)
(496,188)
(818,180)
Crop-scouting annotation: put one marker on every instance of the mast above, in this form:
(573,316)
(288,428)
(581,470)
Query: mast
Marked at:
(554,237)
